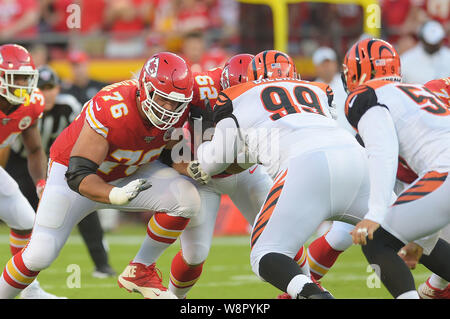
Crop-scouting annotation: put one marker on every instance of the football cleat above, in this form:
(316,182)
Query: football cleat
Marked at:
(35,291)
(426,291)
(323,294)
(284,296)
(146,280)
(310,291)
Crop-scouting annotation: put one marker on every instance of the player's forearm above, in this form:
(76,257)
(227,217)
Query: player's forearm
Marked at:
(210,160)
(95,188)
(216,155)
(37,164)
(378,133)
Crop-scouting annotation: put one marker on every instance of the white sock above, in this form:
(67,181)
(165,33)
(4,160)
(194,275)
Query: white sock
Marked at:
(150,251)
(7,291)
(409,295)
(437,282)
(296,285)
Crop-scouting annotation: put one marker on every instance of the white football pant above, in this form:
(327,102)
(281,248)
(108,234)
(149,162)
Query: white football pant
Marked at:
(60,208)
(15,210)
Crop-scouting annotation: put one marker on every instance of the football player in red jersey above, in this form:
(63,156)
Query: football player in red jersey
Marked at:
(247,189)
(106,158)
(21,104)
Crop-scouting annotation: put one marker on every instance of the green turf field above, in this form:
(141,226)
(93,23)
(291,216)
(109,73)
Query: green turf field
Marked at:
(226,273)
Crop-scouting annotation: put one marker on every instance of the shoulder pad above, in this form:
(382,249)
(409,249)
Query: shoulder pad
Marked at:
(223,107)
(358,102)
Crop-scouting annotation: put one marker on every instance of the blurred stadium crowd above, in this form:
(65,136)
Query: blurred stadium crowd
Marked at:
(206,31)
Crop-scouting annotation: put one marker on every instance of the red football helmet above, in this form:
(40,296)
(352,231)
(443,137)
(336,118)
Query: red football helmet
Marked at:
(370,59)
(16,61)
(235,70)
(271,64)
(167,75)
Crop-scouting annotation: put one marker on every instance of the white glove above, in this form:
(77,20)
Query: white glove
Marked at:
(197,174)
(123,195)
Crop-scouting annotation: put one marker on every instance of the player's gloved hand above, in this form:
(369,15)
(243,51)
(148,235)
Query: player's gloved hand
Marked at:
(196,173)
(207,117)
(40,187)
(123,195)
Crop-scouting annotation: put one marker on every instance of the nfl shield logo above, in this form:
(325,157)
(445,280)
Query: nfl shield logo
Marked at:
(148,139)
(5,121)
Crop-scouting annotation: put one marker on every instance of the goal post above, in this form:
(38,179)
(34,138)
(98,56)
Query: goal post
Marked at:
(279,8)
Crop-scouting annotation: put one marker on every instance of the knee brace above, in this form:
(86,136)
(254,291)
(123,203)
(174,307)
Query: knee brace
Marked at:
(339,237)
(41,251)
(195,254)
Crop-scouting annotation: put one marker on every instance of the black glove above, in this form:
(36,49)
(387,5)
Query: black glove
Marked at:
(208,116)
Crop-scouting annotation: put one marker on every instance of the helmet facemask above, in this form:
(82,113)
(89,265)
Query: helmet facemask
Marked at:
(15,93)
(159,116)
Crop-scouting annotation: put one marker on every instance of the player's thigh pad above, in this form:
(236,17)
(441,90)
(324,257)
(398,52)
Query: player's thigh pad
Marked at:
(171,192)
(60,209)
(15,210)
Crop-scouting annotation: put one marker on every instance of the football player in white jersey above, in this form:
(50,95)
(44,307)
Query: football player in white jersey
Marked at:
(319,170)
(409,121)
(247,188)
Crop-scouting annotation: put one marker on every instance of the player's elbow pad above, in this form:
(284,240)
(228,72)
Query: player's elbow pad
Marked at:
(79,168)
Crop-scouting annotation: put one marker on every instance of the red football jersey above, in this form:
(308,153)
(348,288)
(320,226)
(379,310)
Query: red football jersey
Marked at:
(113,113)
(440,87)
(206,86)
(24,116)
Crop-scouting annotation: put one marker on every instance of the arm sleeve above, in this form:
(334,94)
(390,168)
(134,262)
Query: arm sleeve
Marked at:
(216,155)
(377,130)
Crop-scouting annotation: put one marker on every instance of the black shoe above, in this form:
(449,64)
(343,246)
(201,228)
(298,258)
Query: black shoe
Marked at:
(322,295)
(104,272)
(313,291)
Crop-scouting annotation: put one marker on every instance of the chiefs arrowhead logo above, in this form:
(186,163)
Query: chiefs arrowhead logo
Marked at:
(152,66)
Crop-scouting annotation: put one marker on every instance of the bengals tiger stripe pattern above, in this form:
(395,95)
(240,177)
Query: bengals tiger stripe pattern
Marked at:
(427,184)
(269,206)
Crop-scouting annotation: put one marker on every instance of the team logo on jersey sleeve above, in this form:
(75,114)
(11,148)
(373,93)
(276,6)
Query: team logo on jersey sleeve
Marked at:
(25,122)
(152,66)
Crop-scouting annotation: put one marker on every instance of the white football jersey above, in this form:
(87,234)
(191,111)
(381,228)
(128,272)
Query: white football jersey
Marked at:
(279,119)
(421,120)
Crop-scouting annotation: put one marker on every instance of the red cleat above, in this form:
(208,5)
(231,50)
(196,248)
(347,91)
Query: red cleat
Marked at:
(426,291)
(444,293)
(146,280)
